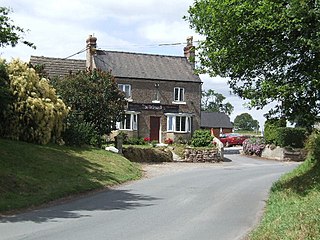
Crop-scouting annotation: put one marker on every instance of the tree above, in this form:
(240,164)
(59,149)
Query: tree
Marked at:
(10,34)
(269,50)
(212,101)
(245,122)
(94,99)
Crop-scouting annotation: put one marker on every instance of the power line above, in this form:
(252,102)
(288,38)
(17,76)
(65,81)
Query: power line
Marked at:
(134,45)
(81,51)
(148,45)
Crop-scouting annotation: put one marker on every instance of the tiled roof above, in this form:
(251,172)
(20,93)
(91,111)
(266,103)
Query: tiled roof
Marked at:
(215,120)
(146,66)
(59,66)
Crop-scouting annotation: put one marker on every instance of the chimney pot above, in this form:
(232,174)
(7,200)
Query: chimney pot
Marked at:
(91,50)
(189,51)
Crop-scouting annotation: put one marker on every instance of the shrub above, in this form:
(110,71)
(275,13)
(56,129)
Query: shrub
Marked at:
(168,141)
(5,96)
(35,114)
(253,146)
(154,143)
(271,129)
(136,141)
(293,137)
(81,133)
(313,145)
(201,138)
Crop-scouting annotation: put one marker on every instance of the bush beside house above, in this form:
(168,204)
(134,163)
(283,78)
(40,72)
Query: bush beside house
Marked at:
(34,112)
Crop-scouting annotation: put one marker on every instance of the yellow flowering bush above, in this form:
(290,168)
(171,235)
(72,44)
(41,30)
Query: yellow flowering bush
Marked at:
(36,113)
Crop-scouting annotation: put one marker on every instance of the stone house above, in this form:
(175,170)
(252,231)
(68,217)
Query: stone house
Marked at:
(163,93)
(217,122)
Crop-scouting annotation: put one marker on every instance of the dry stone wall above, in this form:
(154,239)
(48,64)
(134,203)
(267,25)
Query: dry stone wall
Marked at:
(202,155)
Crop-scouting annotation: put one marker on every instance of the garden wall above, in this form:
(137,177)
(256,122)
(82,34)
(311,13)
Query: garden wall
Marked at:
(283,154)
(202,155)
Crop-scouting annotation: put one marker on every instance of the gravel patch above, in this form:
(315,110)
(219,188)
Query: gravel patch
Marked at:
(159,169)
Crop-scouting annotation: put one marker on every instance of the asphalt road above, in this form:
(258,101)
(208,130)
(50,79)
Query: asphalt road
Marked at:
(220,202)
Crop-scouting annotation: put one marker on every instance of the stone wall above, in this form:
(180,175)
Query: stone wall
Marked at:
(283,154)
(202,155)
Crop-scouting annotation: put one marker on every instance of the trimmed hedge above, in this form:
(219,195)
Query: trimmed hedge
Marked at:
(277,133)
(293,137)
(271,129)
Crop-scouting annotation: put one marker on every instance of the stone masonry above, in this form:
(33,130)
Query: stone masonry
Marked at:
(202,155)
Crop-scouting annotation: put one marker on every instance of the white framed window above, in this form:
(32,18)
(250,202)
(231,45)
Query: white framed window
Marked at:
(129,122)
(179,123)
(178,94)
(126,88)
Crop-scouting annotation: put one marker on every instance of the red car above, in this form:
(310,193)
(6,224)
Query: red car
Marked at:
(230,139)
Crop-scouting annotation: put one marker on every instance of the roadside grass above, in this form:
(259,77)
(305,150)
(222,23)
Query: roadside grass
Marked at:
(31,174)
(293,208)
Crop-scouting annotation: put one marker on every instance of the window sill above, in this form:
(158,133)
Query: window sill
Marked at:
(180,103)
(177,132)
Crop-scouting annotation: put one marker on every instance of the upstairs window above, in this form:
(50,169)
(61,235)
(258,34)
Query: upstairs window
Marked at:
(178,94)
(126,88)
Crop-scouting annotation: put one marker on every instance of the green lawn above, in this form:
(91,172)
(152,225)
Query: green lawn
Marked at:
(293,209)
(33,174)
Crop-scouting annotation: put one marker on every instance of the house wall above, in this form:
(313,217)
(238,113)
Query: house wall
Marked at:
(145,91)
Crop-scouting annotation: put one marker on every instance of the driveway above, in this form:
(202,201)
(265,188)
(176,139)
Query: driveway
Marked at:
(178,201)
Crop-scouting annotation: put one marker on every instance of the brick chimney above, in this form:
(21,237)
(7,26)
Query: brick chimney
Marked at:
(91,50)
(189,51)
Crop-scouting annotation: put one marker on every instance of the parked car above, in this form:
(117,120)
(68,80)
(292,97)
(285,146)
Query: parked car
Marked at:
(231,139)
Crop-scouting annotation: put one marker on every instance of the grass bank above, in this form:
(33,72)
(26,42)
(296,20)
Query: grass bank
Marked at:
(32,174)
(293,208)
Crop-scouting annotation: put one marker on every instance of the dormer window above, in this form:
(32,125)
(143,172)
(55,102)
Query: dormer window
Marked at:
(126,88)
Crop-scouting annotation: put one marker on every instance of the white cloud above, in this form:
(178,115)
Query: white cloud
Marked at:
(164,31)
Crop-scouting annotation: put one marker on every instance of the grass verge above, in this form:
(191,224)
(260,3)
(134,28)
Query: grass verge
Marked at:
(293,208)
(32,174)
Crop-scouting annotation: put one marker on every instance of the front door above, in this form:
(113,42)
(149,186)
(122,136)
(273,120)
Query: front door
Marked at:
(154,128)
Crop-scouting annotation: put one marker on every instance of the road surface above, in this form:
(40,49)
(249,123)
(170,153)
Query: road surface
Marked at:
(209,201)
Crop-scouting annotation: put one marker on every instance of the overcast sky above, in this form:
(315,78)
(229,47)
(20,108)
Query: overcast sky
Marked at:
(59,29)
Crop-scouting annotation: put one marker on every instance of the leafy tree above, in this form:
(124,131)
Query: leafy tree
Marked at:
(34,112)
(245,122)
(212,101)
(269,50)
(10,34)
(94,99)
